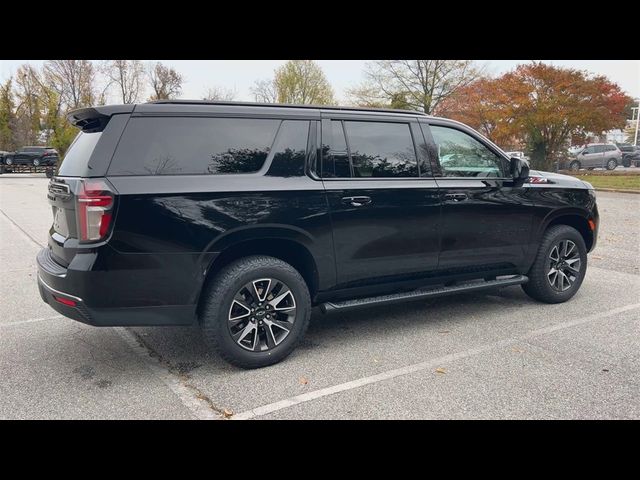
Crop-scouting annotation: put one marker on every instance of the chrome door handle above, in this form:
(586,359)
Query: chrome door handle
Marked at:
(456,197)
(356,201)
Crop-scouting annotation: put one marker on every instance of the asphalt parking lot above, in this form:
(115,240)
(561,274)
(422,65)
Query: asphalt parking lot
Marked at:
(498,355)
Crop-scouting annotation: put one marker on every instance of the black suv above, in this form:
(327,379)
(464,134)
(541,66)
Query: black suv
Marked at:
(34,156)
(242,217)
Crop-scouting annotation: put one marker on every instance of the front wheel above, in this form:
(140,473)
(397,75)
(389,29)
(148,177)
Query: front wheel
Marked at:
(559,267)
(574,166)
(8,161)
(255,311)
(612,164)
(36,162)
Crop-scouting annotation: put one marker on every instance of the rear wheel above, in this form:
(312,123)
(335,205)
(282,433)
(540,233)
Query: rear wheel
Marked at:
(560,266)
(612,163)
(255,311)
(574,166)
(36,162)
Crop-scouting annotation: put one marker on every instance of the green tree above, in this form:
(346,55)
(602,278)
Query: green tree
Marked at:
(7,117)
(302,82)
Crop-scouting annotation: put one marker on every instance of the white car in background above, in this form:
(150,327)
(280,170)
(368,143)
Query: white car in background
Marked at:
(519,155)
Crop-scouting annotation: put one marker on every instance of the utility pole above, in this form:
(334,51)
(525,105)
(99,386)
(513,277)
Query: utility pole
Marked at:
(635,142)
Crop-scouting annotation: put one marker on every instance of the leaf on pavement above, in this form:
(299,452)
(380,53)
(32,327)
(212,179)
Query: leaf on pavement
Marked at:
(597,257)
(303,381)
(440,370)
(227,413)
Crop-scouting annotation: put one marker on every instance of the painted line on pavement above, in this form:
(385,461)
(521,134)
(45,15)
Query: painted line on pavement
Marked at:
(428,364)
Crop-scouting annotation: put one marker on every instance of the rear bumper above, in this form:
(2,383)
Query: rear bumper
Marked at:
(59,286)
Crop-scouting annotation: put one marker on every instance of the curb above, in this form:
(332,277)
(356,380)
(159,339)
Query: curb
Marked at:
(617,190)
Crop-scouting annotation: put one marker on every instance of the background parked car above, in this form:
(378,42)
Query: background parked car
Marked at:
(630,154)
(35,156)
(520,155)
(595,155)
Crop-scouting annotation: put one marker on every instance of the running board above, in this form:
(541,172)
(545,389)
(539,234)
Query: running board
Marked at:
(423,293)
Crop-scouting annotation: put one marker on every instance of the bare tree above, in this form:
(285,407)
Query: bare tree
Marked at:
(28,105)
(73,80)
(422,84)
(221,94)
(165,82)
(126,76)
(265,91)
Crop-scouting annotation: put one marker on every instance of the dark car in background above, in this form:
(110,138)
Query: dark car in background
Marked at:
(630,154)
(242,217)
(33,156)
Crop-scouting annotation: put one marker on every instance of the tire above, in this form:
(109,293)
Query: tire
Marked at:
(220,310)
(574,166)
(539,286)
(8,161)
(626,162)
(612,163)
(36,162)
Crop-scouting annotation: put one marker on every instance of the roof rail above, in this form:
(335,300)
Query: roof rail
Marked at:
(285,105)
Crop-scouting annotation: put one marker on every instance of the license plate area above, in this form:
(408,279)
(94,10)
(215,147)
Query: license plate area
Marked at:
(60,224)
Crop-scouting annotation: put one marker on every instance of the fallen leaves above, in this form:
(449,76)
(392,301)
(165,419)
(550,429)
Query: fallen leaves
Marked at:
(517,350)
(597,257)
(441,370)
(226,413)
(303,381)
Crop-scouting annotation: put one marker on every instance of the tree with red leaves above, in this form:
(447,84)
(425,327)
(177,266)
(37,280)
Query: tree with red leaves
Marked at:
(543,105)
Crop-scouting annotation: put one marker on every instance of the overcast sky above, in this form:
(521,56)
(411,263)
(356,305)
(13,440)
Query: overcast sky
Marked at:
(239,75)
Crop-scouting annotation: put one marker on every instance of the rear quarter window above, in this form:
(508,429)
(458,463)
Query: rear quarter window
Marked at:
(193,146)
(77,157)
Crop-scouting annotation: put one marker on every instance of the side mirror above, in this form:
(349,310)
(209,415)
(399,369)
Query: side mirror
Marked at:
(519,169)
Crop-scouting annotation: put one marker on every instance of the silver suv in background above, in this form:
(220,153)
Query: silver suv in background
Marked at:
(595,155)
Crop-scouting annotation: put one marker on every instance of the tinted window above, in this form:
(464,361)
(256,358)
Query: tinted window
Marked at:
(335,159)
(598,149)
(461,155)
(610,148)
(179,146)
(77,157)
(381,149)
(290,149)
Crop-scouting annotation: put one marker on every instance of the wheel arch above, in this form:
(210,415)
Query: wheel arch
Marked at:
(289,244)
(575,218)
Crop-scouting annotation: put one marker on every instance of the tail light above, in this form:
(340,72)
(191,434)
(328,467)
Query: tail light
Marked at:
(94,206)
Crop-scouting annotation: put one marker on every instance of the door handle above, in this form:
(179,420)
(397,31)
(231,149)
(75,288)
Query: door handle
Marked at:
(456,197)
(356,201)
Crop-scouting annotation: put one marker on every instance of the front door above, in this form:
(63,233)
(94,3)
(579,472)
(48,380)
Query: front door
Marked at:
(385,216)
(486,218)
(592,156)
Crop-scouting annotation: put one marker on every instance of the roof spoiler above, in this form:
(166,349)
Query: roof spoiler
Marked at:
(94,119)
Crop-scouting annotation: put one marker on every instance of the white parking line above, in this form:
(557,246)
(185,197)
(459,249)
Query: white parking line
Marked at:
(199,408)
(428,364)
(31,320)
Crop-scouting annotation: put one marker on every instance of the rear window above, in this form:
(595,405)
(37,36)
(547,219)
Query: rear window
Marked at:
(193,146)
(77,157)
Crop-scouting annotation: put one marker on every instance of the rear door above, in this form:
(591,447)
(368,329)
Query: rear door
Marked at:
(486,218)
(87,157)
(593,156)
(385,216)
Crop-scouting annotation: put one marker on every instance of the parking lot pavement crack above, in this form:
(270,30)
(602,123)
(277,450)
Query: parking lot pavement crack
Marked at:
(196,401)
(28,235)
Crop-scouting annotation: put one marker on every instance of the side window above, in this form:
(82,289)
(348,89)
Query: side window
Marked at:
(290,149)
(184,145)
(335,157)
(611,148)
(381,149)
(461,155)
(587,151)
(598,149)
